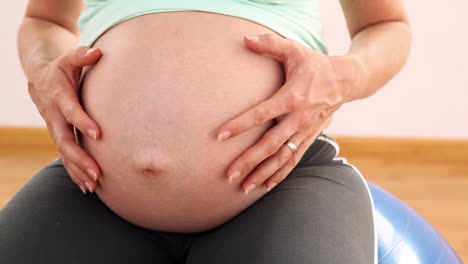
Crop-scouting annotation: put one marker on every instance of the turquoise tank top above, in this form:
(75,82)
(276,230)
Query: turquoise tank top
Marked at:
(292,19)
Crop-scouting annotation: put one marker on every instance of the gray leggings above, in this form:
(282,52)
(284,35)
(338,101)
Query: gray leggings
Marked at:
(321,213)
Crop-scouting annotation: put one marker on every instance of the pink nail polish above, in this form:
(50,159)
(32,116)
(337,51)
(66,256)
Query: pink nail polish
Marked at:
(92,174)
(89,51)
(82,189)
(92,133)
(250,188)
(234,176)
(254,38)
(90,188)
(225,135)
(271,186)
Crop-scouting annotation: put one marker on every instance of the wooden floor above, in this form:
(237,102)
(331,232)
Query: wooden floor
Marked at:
(434,184)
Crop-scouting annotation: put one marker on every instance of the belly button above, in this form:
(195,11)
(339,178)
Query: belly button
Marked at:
(150,166)
(150,172)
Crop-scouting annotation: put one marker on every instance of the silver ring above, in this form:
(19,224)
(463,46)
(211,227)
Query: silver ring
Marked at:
(291,146)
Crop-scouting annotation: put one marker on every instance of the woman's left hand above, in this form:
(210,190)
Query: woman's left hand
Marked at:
(315,87)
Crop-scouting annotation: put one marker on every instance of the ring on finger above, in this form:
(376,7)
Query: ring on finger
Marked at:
(291,146)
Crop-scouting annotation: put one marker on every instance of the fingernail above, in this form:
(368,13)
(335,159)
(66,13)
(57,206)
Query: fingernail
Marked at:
(89,51)
(250,188)
(92,174)
(254,38)
(90,188)
(223,136)
(92,133)
(234,176)
(82,189)
(271,186)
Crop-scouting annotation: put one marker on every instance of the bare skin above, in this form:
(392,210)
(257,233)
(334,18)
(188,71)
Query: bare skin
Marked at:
(315,86)
(159,98)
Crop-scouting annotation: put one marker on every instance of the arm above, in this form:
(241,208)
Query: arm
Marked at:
(52,61)
(49,30)
(381,40)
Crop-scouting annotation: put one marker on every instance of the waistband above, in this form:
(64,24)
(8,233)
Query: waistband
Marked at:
(323,150)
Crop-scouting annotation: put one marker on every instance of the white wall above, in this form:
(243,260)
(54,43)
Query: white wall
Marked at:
(427,99)
(16,109)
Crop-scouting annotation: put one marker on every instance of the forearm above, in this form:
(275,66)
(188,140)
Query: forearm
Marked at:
(377,54)
(42,41)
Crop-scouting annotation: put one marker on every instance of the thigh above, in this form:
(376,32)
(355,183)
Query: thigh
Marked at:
(319,214)
(51,221)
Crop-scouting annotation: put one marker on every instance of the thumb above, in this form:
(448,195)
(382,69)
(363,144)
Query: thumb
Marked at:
(83,56)
(271,44)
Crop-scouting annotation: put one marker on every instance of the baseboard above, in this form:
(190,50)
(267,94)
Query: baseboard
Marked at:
(25,137)
(423,149)
(405,148)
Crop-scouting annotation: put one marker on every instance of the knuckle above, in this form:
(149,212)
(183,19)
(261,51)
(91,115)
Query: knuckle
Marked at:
(271,149)
(259,120)
(260,116)
(62,144)
(83,163)
(298,98)
(249,163)
(296,101)
(69,111)
(294,160)
(284,157)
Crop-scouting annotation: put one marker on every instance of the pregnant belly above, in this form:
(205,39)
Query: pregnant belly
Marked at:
(164,86)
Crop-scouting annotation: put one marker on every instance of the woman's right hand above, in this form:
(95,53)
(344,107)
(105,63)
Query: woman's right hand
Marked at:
(53,87)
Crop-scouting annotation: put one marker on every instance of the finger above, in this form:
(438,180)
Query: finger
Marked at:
(71,151)
(82,56)
(268,145)
(72,64)
(277,105)
(75,174)
(274,45)
(269,166)
(80,177)
(71,173)
(86,183)
(283,172)
(74,114)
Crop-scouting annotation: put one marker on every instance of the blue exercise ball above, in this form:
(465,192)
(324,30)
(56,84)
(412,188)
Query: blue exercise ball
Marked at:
(404,237)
